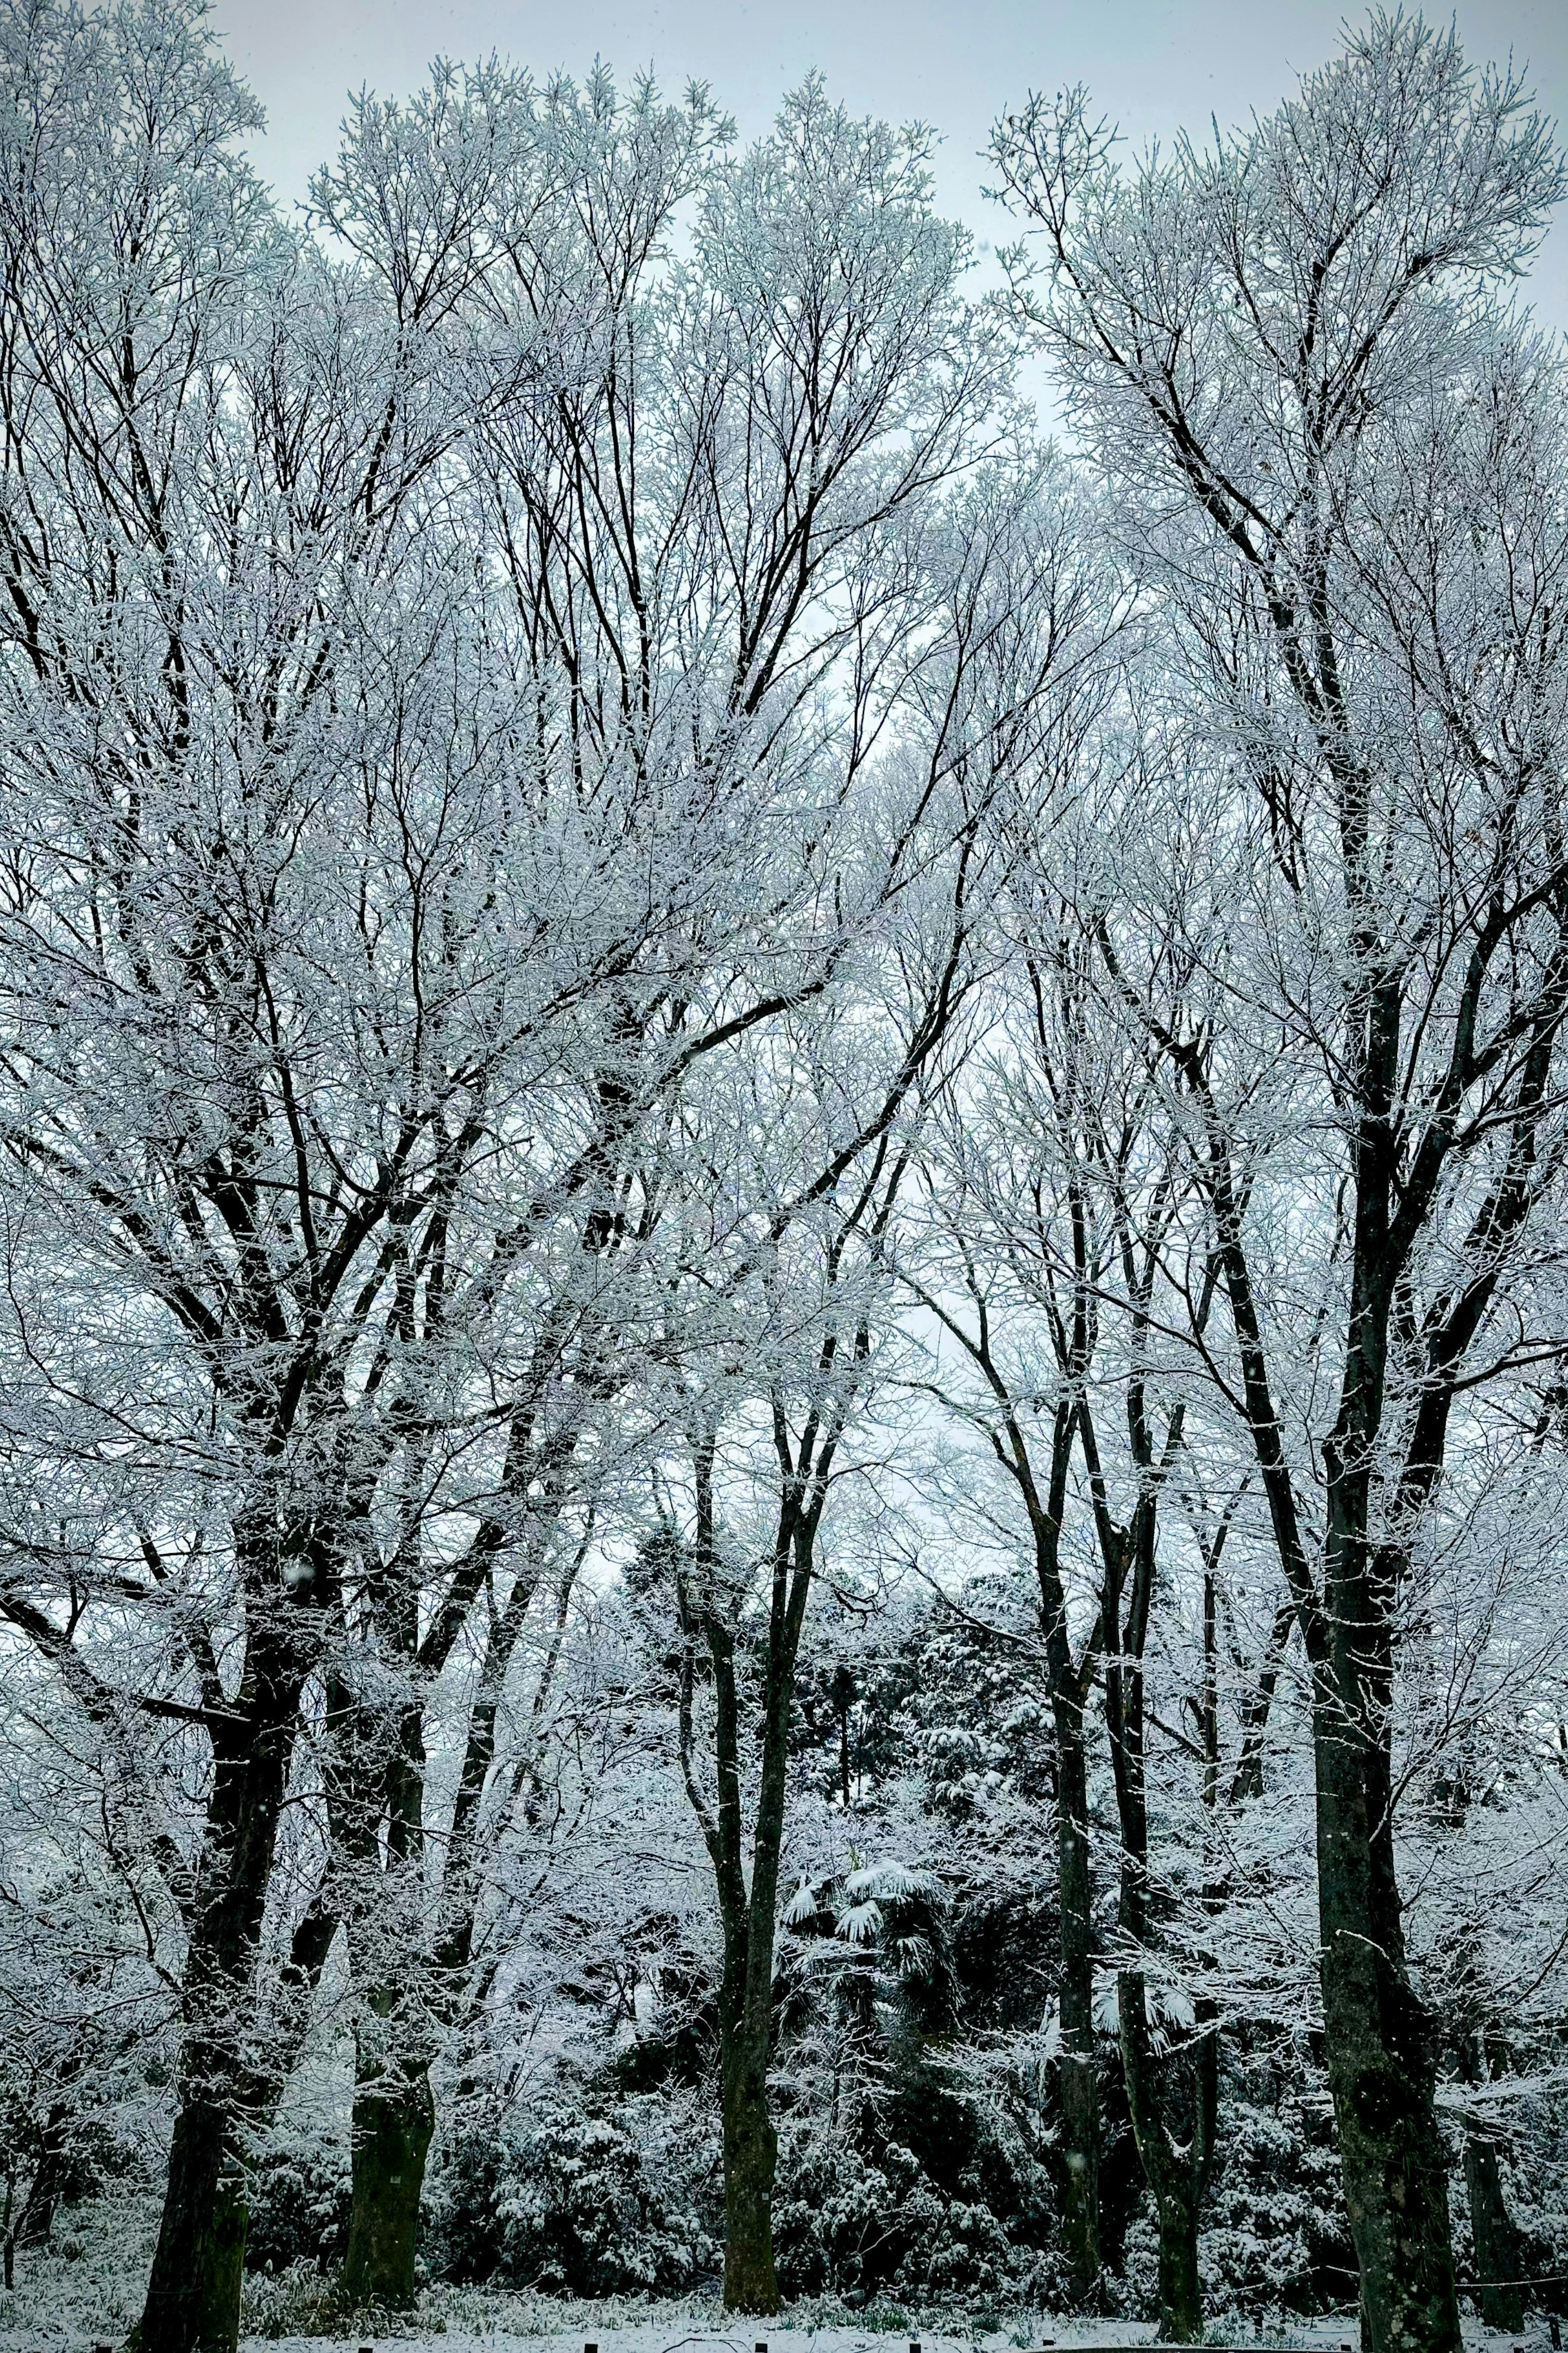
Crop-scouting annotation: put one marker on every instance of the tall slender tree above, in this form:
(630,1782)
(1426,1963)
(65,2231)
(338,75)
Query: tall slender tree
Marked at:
(1283,353)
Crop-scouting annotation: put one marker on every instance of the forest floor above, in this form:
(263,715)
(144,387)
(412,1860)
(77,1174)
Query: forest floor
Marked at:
(87,2290)
(690,2331)
(474,2321)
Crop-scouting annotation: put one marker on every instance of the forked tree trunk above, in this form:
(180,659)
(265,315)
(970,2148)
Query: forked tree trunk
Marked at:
(393,2111)
(1176,2153)
(749,1914)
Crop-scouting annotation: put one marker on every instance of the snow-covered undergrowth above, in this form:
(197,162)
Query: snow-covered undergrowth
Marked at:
(87,2288)
(472,2320)
(87,2285)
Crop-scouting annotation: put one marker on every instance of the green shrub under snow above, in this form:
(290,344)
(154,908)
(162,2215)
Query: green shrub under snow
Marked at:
(582,2202)
(300,2195)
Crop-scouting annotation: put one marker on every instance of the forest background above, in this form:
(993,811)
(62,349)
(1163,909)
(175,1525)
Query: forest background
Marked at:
(783,1458)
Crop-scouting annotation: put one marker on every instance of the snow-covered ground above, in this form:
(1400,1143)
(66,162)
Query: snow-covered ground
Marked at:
(86,2291)
(471,2321)
(474,2331)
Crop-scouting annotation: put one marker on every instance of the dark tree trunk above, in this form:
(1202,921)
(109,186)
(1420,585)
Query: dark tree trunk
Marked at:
(749,1914)
(195,2308)
(1391,2151)
(380,1787)
(1180,2295)
(708,1599)
(1381,2069)
(1070,1681)
(750,2152)
(1078,2088)
(1172,2094)
(1176,2155)
(393,2119)
(193,2291)
(1499,2248)
(1378,2040)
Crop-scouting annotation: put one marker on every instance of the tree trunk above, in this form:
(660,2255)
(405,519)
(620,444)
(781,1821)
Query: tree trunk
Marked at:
(1380,2062)
(193,2290)
(394,2112)
(1381,2070)
(1180,2296)
(194,2305)
(1079,2090)
(393,2119)
(750,2153)
(1499,2250)
(1175,2155)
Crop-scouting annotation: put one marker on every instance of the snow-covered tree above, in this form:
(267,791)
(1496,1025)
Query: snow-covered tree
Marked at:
(1344,464)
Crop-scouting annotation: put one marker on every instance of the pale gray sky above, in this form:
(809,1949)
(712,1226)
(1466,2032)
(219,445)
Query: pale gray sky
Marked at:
(1153,64)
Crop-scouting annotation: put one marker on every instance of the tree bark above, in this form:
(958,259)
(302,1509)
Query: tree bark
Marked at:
(749,1914)
(1171,2098)
(1500,2249)
(1176,2169)
(1381,2066)
(1380,2071)
(193,2291)
(394,2120)
(1078,2087)
(1180,2293)
(750,2154)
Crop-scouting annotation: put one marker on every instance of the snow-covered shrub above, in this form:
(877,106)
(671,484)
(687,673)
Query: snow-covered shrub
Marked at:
(847,2219)
(582,2202)
(1275,2237)
(1535,2189)
(833,2213)
(1133,2293)
(960,2247)
(298,2301)
(300,2192)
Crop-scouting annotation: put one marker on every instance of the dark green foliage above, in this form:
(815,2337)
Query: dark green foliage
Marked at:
(1275,2238)
(582,2202)
(1005,1948)
(300,2191)
(844,2222)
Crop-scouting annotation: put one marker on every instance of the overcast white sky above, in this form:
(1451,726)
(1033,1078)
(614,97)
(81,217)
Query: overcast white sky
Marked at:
(1153,65)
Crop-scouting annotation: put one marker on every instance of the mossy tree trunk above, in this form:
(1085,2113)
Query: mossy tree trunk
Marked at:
(393,2121)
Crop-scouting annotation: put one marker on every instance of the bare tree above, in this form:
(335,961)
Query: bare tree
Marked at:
(1273,343)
